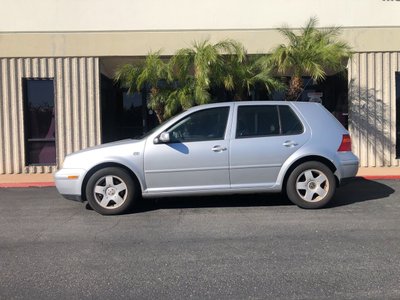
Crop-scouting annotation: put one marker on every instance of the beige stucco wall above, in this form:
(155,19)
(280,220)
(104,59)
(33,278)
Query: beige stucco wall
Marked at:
(372,107)
(140,43)
(160,15)
(48,28)
(76,87)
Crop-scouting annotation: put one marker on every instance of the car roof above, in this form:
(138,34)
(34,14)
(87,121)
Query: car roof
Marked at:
(258,102)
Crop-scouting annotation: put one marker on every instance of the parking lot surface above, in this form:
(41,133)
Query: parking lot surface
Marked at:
(236,247)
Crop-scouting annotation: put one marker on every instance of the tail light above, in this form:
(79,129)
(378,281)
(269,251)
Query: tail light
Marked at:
(345,145)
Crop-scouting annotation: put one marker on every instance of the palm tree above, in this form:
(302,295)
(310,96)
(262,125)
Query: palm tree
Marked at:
(153,72)
(195,67)
(240,76)
(312,52)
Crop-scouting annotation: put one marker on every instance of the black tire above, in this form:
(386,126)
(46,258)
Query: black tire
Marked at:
(111,191)
(311,185)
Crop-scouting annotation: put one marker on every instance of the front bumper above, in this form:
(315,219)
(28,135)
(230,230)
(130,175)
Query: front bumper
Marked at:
(69,183)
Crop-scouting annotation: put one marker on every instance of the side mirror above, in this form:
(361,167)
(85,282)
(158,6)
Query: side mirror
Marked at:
(162,138)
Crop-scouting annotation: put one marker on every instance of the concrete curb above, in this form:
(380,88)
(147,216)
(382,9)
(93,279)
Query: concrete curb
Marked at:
(26,184)
(381,177)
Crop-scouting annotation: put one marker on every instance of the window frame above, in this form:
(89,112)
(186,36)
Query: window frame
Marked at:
(26,120)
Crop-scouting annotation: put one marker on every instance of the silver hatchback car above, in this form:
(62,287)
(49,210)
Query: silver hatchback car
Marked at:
(225,148)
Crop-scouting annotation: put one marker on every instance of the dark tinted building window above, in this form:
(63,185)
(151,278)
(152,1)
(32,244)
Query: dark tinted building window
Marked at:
(397,77)
(130,116)
(39,121)
(267,120)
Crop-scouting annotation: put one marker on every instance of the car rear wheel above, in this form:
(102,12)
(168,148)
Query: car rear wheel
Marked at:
(111,191)
(311,185)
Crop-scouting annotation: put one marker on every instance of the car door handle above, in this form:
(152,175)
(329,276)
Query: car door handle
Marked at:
(290,144)
(218,148)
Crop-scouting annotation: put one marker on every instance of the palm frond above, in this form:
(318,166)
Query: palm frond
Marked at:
(310,27)
(311,52)
(289,34)
(126,76)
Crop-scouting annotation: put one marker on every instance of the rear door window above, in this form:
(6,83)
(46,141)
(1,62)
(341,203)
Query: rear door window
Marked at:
(266,120)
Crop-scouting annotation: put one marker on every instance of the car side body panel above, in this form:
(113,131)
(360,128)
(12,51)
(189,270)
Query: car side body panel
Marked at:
(255,162)
(186,166)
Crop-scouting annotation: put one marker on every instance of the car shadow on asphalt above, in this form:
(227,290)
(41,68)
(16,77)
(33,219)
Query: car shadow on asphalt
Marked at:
(358,190)
(248,200)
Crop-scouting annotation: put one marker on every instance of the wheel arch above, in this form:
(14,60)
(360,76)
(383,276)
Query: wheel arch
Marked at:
(107,165)
(304,159)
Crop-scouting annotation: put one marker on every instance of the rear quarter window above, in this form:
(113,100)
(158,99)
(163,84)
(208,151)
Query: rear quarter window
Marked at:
(290,123)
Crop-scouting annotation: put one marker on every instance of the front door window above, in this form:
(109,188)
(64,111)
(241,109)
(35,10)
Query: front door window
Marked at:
(205,125)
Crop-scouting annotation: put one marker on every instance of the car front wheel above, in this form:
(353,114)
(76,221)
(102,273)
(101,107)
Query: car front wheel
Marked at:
(311,185)
(111,191)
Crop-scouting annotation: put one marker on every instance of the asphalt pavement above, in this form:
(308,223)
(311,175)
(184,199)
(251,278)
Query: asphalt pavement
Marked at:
(236,247)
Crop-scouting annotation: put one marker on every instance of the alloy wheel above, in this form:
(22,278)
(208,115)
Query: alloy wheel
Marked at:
(312,185)
(110,192)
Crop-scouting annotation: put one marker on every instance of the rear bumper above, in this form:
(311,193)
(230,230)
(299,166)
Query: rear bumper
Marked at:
(348,168)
